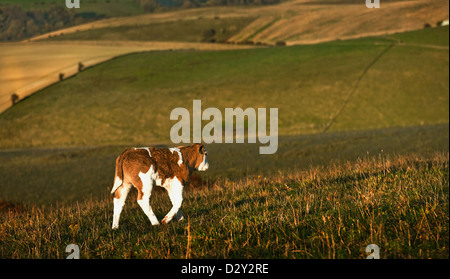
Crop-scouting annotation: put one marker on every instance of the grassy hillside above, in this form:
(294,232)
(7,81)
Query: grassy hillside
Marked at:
(27,68)
(400,204)
(70,175)
(339,86)
(362,158)
(337,101)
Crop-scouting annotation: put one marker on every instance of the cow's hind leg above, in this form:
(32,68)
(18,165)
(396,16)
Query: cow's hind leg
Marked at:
(144,185)
(120,195)
(175,191)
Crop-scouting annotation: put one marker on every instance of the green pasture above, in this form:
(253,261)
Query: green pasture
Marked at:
(335,104)
(362,155)
(333,86)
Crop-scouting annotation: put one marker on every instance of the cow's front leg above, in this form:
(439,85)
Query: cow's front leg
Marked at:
(175,191)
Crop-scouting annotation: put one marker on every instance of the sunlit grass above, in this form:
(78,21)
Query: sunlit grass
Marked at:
(399,204)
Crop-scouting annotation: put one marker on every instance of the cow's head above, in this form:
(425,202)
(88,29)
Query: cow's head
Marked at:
(201,163)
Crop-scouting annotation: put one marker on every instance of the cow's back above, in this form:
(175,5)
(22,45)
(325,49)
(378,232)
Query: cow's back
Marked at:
(168,165)
(135,161)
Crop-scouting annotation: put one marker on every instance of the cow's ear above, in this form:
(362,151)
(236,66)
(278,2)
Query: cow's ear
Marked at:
(201,148)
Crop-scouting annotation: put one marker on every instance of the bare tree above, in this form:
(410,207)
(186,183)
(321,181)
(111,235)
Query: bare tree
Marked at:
(14,98)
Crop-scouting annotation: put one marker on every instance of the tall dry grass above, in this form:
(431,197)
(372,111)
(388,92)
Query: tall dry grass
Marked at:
(400,204)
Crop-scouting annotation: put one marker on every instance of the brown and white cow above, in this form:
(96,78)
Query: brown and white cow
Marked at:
(145,167)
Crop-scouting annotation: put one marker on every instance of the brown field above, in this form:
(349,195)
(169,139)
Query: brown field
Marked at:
(299,21)
(309,22)
(29,67)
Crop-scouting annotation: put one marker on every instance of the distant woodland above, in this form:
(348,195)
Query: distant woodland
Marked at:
(18,24)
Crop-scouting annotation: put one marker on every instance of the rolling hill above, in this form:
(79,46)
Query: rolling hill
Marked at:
(27,68)
(337,101)
(360,84)
(363,133)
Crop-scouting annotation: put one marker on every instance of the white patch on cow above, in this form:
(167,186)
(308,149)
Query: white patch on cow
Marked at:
(175,190)
(158,181)
(167,183)
(204,165)
(117,183)
(146,148)
(146,180)
(180,157)
(119,203)
(147,185)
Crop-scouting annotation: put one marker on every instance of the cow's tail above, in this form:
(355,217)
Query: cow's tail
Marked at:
(118,179)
